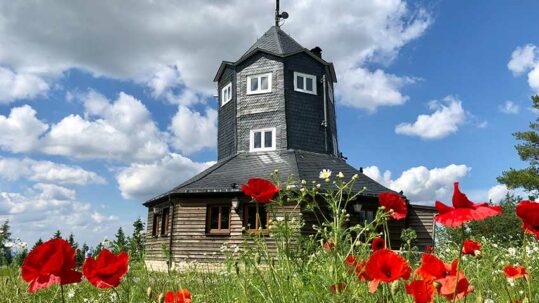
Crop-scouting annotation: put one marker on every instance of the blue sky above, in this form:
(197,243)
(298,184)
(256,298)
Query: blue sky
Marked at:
(104,105)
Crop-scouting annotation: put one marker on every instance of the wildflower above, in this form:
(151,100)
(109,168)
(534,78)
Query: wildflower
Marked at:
(329,245)
(325,174)
(340,175)
(421,290)
(429,249)
(386,266)
(528,212)
(259,189)
(515,272)
(52,262)
(355,177)
(335,288)
(107,270)
(181,296)
(463,210)
(378,243)
(471,248)
(394,204)
(351,262)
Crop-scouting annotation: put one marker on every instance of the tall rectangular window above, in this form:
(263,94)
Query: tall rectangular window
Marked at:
(259,84)
(218,219)
(165,221)
(262,139)
(155,225)
(305,83)
(254,221)
(226,94)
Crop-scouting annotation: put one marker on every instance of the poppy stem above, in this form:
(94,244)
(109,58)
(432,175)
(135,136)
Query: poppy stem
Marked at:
(62,290)
(458,264)
(525,254)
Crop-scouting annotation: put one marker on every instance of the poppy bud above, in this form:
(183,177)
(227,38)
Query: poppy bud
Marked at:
(149,292)
(160,298)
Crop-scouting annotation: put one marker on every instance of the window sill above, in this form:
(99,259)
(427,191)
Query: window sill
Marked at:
(259,92)
(218,234)
(305,92)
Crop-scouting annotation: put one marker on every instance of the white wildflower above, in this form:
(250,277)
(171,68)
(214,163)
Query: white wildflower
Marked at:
(325,174)
(279,219)
(340,175)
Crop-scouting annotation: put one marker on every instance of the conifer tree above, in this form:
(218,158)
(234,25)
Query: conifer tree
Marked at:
(136,245)
(121,242)
(6,256)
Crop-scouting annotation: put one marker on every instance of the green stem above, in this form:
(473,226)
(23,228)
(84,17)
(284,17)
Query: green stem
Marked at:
(458,264)
(525,254)
(62,289)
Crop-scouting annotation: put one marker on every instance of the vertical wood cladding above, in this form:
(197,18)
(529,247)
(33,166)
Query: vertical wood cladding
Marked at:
(305,112)
(226,130)
(421,219)
(265,110)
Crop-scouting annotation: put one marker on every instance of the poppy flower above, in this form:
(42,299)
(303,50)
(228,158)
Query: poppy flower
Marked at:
(528,212)
(429,249)
(52,262)
(378,243)
(471,247)
(422,291)
(361,273)
(260,189)
(515,272)
(384,265)
(351,262)
(329,245)
(395,203)
(335,288)
(435,270)
(107,270)
(463,210)
(181,296)
(449,283)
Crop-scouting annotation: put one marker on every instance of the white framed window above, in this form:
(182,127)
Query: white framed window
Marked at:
(226,94)
(305,83)
(259,84)
(330,92)
(262,139)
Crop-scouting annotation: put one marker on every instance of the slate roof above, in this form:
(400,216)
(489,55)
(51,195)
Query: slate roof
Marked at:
(227,175)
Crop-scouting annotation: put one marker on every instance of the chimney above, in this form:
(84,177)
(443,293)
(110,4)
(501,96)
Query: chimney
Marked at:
(317,51)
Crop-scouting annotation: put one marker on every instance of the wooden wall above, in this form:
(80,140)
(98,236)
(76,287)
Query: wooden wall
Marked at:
(420,218)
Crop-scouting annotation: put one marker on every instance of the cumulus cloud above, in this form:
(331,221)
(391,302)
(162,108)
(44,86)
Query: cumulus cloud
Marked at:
(144,181)
(13,169)
(509,107)
(361,88)
(21,130)
(526,59)
(15,86)
(420,184)
(497,193)
(192,131)
(163,44)
(446,119)
(38,211)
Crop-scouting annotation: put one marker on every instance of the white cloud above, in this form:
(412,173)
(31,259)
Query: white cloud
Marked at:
(192,131)
(420,184)
(361,88)
(533,78)
(143,181)
(522,59)
(164,44)
(15,86)
(497,193)
(13,169)
(122,130)
(20,131)
(45,208)
(509,107)
(446,119)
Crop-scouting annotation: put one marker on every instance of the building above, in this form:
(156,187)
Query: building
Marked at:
(276,111)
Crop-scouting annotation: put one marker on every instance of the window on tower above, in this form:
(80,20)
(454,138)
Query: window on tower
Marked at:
(226,94)
(259,84)
(305,83)
(262,139)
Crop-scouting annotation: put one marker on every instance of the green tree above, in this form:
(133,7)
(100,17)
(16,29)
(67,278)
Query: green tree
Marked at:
(136,245)
(38,242)
(121,242)
(81,254)
(57,235)
(21,255)
(6,256)
(71,241)
(528,150)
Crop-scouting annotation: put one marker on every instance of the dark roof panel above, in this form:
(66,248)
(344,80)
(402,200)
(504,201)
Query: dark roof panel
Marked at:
(277,42)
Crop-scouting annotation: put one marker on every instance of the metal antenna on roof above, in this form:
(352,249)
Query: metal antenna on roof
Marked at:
(278,14)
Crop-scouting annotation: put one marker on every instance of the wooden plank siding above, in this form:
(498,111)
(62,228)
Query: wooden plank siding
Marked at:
(191,242)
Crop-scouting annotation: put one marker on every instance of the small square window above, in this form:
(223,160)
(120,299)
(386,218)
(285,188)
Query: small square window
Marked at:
(259,84)
(254,221)
(305,83)
(218,219)
(262,139)
(226,94)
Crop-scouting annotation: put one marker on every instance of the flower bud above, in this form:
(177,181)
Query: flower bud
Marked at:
(149,292)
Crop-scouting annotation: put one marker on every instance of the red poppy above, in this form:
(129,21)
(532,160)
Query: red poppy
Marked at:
(429,249)
(395,203)
(329,245)
(378,243)
(361,273)
(335,288)
(528,212)
(471,247)
(384,265)
(435,270)
(260,189)
(50,263)
(449,283)
(421,290)
(181,296)
(515,272)
(463,210)
(107,270)
(351,262)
